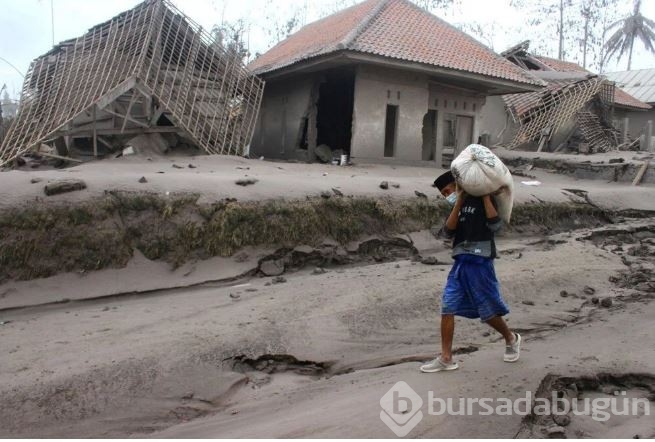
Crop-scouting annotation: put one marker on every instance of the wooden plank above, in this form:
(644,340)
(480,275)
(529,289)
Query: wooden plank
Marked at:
(641,173)
(95,133)
(137,122)
(113,94)
(59,157)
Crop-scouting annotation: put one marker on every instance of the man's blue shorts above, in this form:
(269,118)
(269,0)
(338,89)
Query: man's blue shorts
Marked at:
(472,289)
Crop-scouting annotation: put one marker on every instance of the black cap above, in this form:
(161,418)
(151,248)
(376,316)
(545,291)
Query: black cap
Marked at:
(444,180)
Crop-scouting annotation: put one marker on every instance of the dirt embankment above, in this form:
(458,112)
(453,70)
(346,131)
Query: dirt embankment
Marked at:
(39,242)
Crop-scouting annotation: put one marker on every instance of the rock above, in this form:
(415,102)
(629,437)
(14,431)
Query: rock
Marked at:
(384,185)
(143,180)
(191,166)
(235,296)
(35,180)
(616,160)
(326,195)
(563,294)
(430,261)
(395,185)
(177,166)
(562,420)
(188,395)
(63,186)
(595,300)
(319,271)
(337,192)
(486,334)
(589,290)
(323,153)
(245,182)
(272,267)
(527,302)
(556,432)
(420,194)
(241,257)
(279,280)
(606,302)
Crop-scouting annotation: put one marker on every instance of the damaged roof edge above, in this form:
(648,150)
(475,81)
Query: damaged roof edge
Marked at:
(496,85)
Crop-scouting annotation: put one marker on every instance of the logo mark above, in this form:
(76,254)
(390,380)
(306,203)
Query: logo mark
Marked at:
(401,409)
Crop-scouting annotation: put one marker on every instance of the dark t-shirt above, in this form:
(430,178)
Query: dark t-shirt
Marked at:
(475,232)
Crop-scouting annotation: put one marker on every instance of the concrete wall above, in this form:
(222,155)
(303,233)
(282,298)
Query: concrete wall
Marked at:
(284,105)
(414,94)
(496,121)
(375,88)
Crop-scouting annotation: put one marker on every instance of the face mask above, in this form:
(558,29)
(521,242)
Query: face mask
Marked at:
(452,199)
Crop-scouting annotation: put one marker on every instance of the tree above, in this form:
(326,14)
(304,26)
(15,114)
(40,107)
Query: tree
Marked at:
(231,37)
(626,31)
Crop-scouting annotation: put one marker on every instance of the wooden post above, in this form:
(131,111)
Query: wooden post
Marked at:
(95,133)
(624,130)
(649,136)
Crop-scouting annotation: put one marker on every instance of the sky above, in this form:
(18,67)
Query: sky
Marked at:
(26,29)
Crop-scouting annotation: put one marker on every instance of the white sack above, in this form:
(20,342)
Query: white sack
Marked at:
(480,172)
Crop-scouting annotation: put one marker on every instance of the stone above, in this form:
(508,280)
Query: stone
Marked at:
(326,195)
(616,160)
(395,185)
(384,185)
(35,180)
(323,153)
(589,290)
(235,296)
(564,294)
(279,280)
(420,194)
(527,302)
(272,267)
(595,300)
(177,166)
(64,186)
(246,182)
(337,192)
(143,180)
(606,302)
(191,166)
(430,261)
(319,271)
(556,432)
(562,420)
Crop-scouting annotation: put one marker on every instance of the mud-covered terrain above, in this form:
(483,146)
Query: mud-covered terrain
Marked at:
(311,352)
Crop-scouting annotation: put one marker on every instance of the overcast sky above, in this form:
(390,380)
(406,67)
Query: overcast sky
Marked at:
(26,31)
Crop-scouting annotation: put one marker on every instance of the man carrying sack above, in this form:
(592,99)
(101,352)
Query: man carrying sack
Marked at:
(472,289)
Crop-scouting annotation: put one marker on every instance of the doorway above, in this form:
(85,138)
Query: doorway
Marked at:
(429,136)
(335,110)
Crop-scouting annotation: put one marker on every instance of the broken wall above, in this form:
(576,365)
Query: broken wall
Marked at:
(284,106)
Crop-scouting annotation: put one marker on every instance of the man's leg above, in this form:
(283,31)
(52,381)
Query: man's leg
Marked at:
(447,333)
(499,324)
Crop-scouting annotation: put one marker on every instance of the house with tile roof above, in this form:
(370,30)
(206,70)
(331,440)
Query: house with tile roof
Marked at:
(575,108)
(639,83)
(383,80)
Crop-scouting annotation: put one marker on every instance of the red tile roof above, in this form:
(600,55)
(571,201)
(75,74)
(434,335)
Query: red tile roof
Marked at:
(395,29)
(621,97)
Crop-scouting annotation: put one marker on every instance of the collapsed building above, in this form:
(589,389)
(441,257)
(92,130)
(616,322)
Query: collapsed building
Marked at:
(576,110)
(150,70)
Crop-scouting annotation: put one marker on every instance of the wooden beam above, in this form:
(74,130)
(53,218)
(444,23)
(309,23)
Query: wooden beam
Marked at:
(133,120)
(95,133)
(59,157)
(129,131)
(113,94)
(129,109)
(641,173)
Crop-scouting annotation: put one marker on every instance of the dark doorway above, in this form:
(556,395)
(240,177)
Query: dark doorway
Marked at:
(390,127)
(335,110)
(429,135)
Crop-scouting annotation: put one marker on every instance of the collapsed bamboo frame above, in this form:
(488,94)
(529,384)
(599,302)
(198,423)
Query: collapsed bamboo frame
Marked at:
(157,56)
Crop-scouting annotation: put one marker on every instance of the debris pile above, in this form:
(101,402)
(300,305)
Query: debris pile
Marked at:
(149,70)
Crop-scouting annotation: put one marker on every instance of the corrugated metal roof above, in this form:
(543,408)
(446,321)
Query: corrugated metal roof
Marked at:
(638,83)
